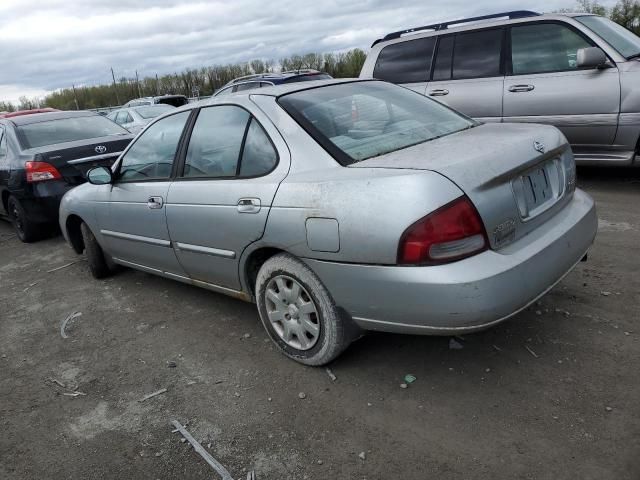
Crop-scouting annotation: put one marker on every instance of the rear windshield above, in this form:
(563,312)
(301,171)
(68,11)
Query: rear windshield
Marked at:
(155,111)
(308,78)
(624,41)
(361,120)
(63,130)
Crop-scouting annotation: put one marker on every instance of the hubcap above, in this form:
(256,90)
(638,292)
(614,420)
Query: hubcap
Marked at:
(292,312)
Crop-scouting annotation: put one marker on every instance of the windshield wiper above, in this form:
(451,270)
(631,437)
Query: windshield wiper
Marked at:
(635,55)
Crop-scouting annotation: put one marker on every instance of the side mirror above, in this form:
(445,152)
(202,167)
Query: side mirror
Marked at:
(591,57)
(100,176)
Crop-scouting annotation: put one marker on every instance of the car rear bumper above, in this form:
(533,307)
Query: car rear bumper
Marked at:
(468,295)
(42,200)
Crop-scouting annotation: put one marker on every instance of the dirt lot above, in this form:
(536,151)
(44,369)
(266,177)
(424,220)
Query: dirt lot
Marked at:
(552,394)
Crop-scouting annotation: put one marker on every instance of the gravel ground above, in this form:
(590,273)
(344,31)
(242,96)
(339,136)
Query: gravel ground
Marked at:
(552,394)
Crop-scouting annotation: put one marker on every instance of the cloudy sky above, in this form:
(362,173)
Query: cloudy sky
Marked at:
(50,44)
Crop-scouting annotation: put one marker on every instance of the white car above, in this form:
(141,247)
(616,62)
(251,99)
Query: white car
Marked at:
(135,119)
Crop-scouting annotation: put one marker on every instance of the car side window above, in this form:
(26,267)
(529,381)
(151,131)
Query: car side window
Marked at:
(216,141)
(477,54)
(121,117)
(151,156)
(442,64)
(405,62)
(545,47)
(258,156)
(247,86)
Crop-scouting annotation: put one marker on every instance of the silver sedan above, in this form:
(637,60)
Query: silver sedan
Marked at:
(339,207)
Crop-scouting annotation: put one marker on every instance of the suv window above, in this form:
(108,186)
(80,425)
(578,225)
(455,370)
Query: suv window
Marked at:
(152,154)
(247,86)
(442,65)
(544,47)
(405,62)
(214,147)
(477,54)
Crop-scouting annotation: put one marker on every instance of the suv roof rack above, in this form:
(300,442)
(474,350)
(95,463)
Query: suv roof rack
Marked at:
(444,25)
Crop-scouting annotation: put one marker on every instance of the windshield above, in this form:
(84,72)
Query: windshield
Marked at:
(153,111)
(63,130)
(356,121)
(624,41)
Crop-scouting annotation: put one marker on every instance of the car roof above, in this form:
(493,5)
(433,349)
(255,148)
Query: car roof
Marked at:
(474,23)
(45,117)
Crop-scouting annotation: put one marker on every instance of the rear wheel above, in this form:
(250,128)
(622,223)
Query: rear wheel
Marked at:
(298,312)
(26,229)
(96,258)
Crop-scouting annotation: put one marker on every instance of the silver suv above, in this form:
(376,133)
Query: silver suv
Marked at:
(578,72)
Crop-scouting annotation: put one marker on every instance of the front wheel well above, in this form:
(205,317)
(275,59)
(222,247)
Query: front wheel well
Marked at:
(74,233)
(254,263)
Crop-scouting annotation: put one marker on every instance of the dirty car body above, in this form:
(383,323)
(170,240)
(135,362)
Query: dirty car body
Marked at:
(405,215)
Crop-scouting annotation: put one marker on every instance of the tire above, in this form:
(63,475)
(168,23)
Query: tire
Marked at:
(297,335)
(27,230)
(98,264)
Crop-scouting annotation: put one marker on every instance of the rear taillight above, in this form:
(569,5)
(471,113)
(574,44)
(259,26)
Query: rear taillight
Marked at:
(453,232)
(40,171)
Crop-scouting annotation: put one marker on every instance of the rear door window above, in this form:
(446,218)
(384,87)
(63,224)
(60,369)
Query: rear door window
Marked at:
(216,141)
(152,155)
(405,62)
(477,54)
(227,142)
(545,47)
(258,155)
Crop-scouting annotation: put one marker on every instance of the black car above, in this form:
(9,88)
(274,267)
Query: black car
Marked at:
(43,155)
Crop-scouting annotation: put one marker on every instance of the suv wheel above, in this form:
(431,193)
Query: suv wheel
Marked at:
(26,229)
(298,312)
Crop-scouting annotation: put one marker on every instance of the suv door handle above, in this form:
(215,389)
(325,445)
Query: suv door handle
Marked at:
(154,203)
(248,205)
(439,92)
(521,88)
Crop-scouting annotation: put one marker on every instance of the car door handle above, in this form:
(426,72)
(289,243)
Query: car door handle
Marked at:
(154,202)
(439,92)
(249,205)
(521,88)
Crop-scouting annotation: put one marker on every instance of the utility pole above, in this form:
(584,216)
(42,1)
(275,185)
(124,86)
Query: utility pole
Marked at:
(138,84)
(75,96)
(157,86)
(115,88)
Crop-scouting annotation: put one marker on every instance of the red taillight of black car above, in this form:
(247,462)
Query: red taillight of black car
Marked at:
(41,171)
(453,232)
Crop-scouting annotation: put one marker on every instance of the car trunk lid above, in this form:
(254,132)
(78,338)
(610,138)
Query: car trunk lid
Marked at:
(74,159)
(517,176)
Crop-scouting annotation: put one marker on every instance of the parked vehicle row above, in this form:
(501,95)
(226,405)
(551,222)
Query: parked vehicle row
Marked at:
(338,207)
(578,72)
